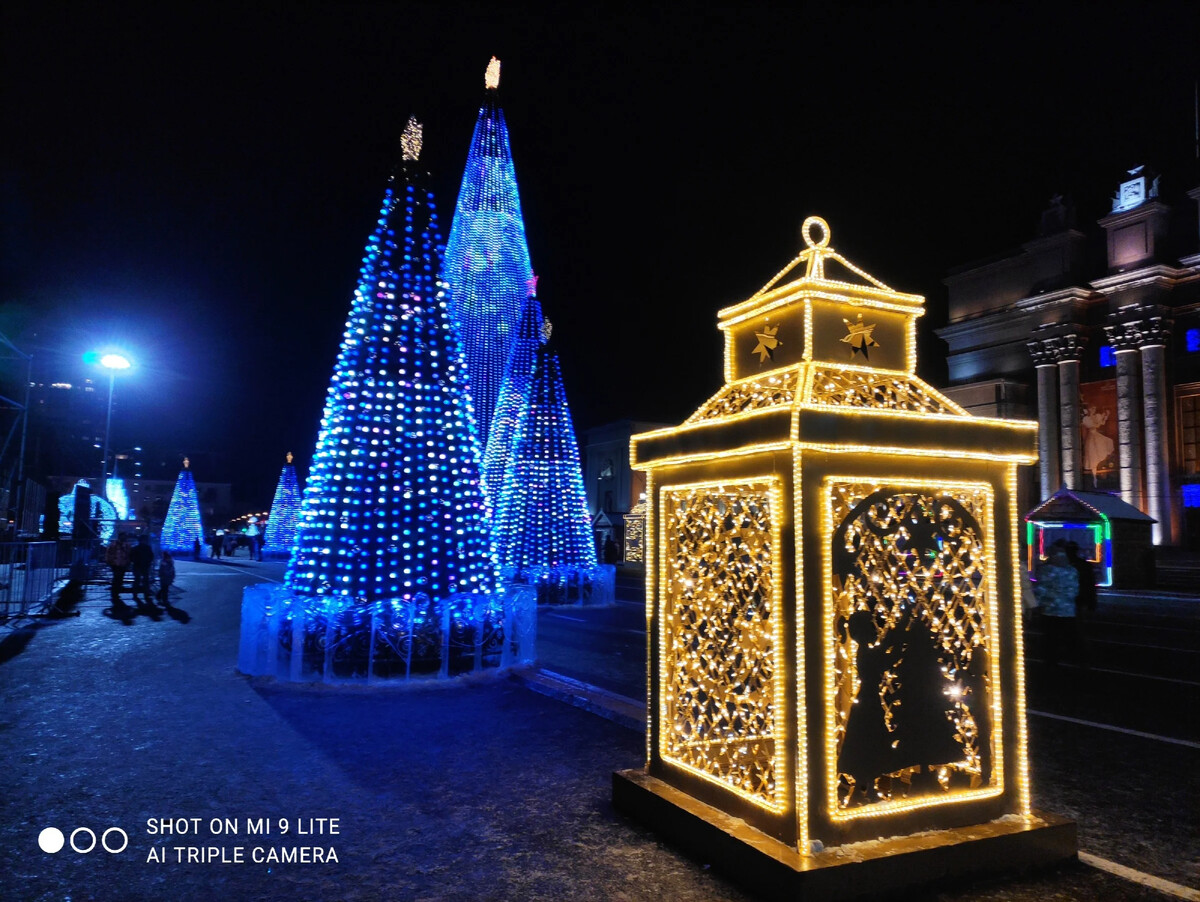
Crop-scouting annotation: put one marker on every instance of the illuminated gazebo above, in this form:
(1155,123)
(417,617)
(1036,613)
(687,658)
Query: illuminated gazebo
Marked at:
(1113,536)
(836,694)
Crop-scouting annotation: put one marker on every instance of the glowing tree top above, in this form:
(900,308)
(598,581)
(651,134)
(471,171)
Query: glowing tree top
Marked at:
(182,527)
(393,507)
(285,512)
(542,520)
(514,397)
(487,260)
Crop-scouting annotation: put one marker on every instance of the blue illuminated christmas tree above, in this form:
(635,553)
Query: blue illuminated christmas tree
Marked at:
(542,522)
(285,513)
(514,396)
(393,511)
(487,259)
(182,527)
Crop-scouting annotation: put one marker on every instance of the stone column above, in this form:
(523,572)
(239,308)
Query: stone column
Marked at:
(1125,339)
(1044,353)
(1070,347)
(1155,333)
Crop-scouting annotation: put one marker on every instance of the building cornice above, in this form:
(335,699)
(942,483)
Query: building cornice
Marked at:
(1158,275)
(1138,213)
(1074,295)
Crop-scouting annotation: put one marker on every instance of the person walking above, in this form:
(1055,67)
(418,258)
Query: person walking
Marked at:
(1056,590)
(117,558)
(141,559)
(612,554)
(1085,599)
(166,576)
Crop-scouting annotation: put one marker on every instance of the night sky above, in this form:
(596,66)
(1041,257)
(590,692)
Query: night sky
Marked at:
(196,182)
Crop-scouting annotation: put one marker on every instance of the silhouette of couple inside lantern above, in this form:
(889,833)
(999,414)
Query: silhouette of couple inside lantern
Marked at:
(918,721)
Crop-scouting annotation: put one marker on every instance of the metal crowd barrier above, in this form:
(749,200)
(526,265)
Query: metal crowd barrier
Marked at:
(28,572)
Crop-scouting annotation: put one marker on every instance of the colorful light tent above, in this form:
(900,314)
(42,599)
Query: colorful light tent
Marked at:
(1113,534)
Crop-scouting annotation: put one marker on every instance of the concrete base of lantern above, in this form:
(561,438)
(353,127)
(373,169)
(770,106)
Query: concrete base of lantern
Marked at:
(775,870)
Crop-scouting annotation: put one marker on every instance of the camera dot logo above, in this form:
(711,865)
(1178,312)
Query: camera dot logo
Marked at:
(83,840)
(51,840)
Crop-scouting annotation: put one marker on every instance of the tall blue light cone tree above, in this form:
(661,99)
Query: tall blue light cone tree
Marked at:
(182,526)
(514,397)
(542,520)
(285,513)
(393,508)
(487,266)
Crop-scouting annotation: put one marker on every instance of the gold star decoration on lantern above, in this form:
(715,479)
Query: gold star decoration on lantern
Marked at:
(767,343)
(860,339)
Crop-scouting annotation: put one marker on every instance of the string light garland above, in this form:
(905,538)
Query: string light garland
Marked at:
(487,267)
(284,515)
(836,649)
(182,527)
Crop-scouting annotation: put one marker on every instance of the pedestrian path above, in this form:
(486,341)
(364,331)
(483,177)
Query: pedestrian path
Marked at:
(477,789)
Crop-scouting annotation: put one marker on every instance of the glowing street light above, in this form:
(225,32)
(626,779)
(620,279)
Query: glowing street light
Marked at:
(112,362)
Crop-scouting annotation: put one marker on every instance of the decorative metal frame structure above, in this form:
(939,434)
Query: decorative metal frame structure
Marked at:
(835,653)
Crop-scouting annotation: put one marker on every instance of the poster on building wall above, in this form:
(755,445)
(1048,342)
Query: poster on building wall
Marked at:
(1098,435)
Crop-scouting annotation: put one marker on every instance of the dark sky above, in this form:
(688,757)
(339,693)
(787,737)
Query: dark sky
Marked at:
(197,182)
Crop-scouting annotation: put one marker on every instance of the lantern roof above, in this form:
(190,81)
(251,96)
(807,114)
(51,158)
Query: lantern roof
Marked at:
(824,357)
(822,270)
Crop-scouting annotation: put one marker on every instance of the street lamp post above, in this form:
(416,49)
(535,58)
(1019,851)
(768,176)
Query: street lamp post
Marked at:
(111,362)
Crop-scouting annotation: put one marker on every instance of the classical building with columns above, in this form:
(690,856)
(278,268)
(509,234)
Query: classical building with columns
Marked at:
(1096,334)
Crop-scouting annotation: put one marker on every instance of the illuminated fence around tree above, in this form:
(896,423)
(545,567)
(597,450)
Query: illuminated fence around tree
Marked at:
(833,592)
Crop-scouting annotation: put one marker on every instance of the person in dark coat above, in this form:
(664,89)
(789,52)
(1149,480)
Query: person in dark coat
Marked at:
(141,559)
(1056,590)
(117,558)
(166,576)
(612,553)
(1085,600)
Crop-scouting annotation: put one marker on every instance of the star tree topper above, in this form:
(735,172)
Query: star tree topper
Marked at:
(410,141)
(859,338)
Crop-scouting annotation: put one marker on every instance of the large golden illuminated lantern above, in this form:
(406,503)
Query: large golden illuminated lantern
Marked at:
(835,653)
